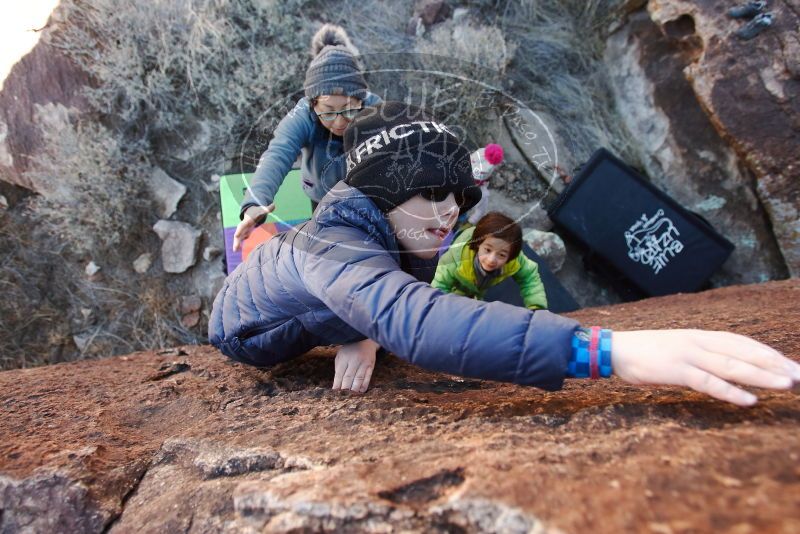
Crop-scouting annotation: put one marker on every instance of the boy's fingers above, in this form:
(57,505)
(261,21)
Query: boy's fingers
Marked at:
(367,378)
(341,367)
(709,384)
(731,368)
(345,371)
(361,381)
(358,379)
(749,350)
(349,376)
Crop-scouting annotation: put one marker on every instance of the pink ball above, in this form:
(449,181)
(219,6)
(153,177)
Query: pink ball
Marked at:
(493,153)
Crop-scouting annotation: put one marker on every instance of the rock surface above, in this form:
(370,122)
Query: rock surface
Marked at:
(179,245)
(184,440)
(43,76)
(750,90)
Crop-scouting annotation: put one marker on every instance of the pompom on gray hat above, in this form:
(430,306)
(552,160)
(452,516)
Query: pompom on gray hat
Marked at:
(334,69)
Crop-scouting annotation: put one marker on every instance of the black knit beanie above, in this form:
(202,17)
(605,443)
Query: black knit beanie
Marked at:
(334,69)
(395,151)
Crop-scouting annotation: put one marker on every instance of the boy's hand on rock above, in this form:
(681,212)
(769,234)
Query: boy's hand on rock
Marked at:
(354,365)
(253,216)
(702,360)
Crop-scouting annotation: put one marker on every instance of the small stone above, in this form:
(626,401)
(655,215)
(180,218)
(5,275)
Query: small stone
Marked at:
(82,340)
(210,187)
(460,15)
(142,264)
(91,269)
(549,246)
(415,27)
(209,253)
(190,320)
(180,242)
(89,317)
(3,202)
(728,482)
(190,304)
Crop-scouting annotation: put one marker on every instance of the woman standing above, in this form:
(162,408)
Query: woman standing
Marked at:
(335,91)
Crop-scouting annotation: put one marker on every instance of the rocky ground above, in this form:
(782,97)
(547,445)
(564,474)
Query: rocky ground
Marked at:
(186,441)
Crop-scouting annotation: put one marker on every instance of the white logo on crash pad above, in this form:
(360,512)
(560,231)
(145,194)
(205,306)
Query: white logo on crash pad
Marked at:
(653,241)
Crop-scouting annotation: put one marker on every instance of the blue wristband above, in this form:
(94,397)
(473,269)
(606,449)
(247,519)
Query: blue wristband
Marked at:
(591,353)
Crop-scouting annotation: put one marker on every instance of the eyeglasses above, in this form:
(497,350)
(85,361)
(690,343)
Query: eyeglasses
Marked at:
(435,194)
(348,114)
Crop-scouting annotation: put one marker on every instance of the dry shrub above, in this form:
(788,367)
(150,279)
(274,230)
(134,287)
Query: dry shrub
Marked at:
(475,58)
(559,69)
(91,187)
(31,319)
(161,65)
(49,303)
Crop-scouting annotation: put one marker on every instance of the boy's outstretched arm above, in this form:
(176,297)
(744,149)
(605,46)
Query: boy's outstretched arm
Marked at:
(703,360)
(364,286)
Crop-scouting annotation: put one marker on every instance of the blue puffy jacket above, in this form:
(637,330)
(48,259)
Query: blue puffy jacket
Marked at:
(338,279)
(323,161)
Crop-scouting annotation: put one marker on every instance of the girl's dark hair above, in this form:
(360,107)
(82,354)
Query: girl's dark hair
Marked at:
(495,224)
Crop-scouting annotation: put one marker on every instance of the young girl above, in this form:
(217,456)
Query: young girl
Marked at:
(338,279)
(485,255)
(335,91)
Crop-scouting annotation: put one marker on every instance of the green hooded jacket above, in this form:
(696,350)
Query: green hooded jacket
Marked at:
(456,274)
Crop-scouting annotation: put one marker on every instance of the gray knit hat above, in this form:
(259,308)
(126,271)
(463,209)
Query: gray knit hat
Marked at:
(334,69)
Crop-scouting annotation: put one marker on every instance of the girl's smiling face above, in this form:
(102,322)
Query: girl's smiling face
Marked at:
(493,253)
(420,225)
(332,103)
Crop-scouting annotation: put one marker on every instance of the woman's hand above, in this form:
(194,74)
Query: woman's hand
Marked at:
(251,216)
(354,365)
(703,360)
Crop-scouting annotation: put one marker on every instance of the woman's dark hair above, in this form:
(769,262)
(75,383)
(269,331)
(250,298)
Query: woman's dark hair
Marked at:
(495,224)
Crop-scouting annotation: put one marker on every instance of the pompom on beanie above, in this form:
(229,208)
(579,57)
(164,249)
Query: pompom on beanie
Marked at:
(334,69)
(493,154)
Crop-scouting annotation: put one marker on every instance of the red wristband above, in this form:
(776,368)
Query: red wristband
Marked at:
(594,345)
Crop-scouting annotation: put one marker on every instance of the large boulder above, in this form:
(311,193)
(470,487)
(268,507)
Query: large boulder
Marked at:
(43,76)
(183,440)
(750,91)
(680,148)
